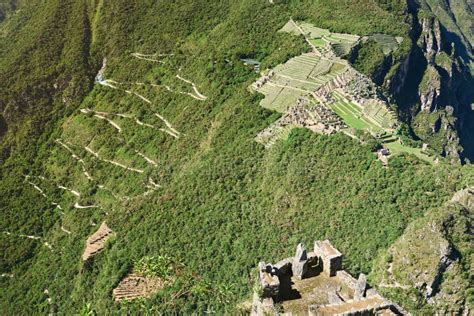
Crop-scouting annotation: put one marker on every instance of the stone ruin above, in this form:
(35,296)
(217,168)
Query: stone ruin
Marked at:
(341,293)
(263,80)
(382,155)
(358,87)
(318,119)
(353,83)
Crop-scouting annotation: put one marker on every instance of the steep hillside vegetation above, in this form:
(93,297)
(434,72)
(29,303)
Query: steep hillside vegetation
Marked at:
(430,266)
(161,147)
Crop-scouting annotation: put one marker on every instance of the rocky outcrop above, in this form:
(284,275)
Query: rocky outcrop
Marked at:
(433,78)
(430,90)
(428,257)
(465,198)
(430,40)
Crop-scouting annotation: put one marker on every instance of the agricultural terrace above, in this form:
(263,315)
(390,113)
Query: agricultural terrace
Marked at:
(297,77)
(305,73)
(372,117)
(388,43)
(320,39)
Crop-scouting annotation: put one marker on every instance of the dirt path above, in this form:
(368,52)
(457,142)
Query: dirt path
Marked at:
(76,157)
(149,160)
(165,121)
(77,205)
(115,125)
(37,188)
(108,83)
(65,230)
(45,243)
(6,275)
(150,57)
(137,121)
(69,190)
(170,130)
(198,96)
(95,154)
(315,50)
(154,184)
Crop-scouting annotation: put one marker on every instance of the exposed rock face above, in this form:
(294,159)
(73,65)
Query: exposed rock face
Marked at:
(439,64)
(430,39)
(465,198)
(430,91)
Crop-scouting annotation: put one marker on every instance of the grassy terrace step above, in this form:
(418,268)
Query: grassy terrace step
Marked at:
(349,118)
(388,140)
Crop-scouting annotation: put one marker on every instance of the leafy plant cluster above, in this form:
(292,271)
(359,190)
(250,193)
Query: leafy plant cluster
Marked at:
(155,266)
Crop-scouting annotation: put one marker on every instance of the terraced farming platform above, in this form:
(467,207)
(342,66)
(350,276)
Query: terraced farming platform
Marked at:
(297,77)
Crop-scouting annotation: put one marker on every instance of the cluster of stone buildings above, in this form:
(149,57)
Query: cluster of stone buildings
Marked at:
(318,118)
(336,292)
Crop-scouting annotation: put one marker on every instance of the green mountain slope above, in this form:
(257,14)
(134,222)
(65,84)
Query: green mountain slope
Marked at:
(164,152)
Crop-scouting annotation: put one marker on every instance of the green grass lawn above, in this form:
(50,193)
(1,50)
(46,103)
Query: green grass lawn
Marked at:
(318,42)
(397,148)
(349,117)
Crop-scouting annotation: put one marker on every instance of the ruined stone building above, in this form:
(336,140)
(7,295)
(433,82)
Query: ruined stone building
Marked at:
(314,283)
